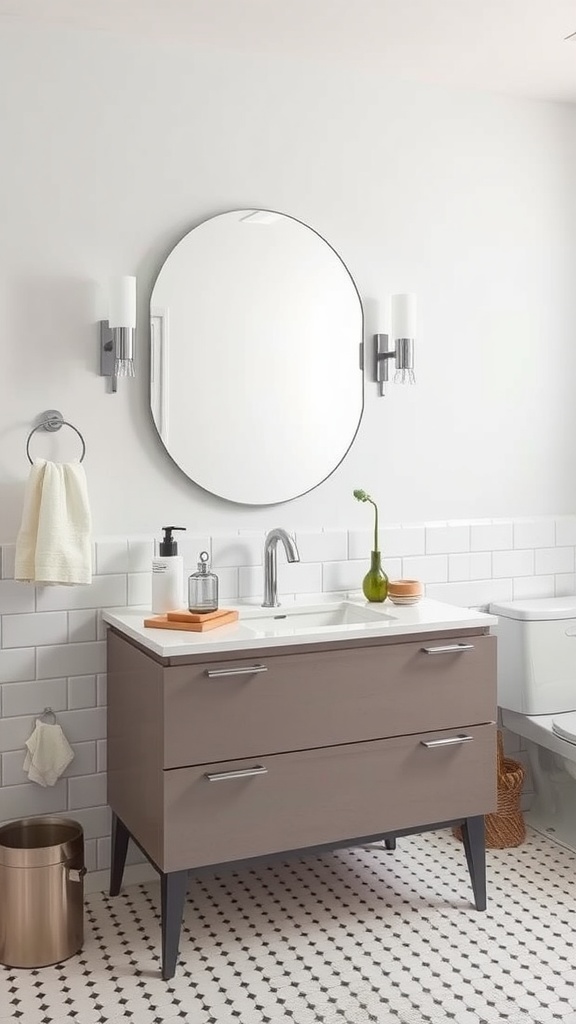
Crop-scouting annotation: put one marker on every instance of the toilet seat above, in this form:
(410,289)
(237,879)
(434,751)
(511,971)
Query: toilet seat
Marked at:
(565,726)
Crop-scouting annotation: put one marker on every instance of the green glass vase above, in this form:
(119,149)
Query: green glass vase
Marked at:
(375,582)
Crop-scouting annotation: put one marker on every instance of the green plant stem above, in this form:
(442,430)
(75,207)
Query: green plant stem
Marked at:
(375,523)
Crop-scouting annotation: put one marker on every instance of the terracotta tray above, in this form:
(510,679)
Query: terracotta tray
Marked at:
(183,615)
(163,622)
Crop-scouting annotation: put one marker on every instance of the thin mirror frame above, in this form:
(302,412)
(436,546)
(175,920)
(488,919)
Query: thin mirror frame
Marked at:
(358,347)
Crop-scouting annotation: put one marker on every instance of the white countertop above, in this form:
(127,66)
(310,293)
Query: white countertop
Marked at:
(252,632)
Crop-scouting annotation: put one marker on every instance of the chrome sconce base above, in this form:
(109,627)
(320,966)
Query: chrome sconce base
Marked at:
(116,353)
(403,355)
(107,354)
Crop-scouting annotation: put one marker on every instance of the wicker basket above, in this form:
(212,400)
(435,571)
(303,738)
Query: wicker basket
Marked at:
(506,826)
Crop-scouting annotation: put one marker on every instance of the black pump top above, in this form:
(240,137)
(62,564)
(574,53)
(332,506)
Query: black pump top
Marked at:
(168,545)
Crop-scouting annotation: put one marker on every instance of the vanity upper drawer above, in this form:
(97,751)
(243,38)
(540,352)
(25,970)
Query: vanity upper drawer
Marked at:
(313,797)
(247,707)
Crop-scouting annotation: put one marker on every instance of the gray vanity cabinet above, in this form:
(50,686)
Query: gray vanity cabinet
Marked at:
(214,760)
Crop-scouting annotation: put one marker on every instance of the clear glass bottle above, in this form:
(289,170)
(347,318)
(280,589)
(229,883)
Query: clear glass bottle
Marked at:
(203,587)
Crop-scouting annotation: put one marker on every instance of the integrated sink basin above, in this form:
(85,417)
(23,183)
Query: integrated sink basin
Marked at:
(296,624)
(301,618)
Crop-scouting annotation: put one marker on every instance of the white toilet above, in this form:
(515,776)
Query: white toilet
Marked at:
(537,695)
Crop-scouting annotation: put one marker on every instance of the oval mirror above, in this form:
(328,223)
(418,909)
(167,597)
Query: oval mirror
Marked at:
(256,379)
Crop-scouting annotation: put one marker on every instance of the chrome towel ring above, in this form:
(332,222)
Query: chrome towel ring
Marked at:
(53,420)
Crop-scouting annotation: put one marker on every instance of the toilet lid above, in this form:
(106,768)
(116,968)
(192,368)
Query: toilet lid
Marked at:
(565,726)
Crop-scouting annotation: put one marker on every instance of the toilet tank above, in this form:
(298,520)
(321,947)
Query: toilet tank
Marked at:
(537,655)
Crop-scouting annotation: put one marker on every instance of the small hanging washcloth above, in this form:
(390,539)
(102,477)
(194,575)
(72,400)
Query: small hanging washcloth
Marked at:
(53,545)
(48,754)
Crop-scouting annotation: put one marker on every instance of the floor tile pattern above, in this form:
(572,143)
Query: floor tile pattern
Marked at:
(363,936)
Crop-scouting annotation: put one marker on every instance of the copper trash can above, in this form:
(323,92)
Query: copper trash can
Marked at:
(41,891)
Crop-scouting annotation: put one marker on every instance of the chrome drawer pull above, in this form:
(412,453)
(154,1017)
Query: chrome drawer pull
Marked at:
(450,649)
(448,742)
(213,673)
(241,773)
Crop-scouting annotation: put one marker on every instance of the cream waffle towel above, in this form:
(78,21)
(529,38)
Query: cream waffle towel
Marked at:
(48,755)
(53,545)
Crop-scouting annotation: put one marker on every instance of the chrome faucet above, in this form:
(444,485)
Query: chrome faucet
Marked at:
(271,564)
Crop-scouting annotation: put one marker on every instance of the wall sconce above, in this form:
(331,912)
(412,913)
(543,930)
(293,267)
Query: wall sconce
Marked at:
(402,333)
(117,332)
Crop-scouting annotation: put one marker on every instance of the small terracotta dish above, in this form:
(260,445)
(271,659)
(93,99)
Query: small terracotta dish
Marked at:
(405,591)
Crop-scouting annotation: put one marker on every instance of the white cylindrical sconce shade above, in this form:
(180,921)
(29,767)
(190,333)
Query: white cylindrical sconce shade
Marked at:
(403,315)
(122,302)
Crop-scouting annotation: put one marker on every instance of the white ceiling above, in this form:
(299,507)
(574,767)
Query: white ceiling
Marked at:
(511,46)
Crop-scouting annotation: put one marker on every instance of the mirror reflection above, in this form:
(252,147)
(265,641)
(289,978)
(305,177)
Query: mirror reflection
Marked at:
(256,380)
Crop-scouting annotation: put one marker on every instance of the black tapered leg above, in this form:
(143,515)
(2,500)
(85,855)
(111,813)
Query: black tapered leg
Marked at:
(173,888)
(120,837)
(390,844)
(475,849)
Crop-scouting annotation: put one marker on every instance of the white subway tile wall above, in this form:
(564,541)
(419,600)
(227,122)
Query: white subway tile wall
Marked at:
(507,564)
(534,533)
(525,587)
(16,597)
(343,575)
(82,626)
(111,555)
(52,639)
(565,584)
(473,594)
(81,692)
(491,536)
(140,588)
(189,546)
(427,568)
(8,561)
(566,531)
(476,565)
(328,546)
(31,698)
(140,554)
(554,560)
(35,629)
(236,549)
(447,539)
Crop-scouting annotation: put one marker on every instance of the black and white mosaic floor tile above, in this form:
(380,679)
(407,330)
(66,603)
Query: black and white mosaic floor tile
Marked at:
(363,936)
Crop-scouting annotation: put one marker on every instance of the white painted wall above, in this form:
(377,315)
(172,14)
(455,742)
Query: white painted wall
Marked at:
(112,149)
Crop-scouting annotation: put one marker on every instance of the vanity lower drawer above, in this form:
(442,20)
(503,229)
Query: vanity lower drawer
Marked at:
(241,708)
(322,796)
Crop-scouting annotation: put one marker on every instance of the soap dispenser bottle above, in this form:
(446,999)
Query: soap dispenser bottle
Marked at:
(203,587)
(168,574)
